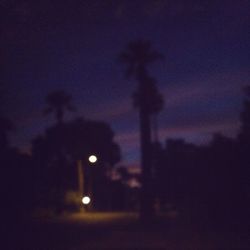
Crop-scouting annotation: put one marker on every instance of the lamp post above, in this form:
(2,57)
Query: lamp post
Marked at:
(81,180)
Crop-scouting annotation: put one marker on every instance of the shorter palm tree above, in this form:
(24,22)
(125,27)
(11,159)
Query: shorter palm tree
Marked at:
(58,101)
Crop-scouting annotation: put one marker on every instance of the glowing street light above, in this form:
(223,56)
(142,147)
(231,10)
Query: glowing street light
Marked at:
(86,200)
(81,179)
(92,159)
(81,175)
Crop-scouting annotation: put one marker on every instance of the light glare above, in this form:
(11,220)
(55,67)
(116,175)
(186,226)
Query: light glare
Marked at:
(92,159)
(85,200)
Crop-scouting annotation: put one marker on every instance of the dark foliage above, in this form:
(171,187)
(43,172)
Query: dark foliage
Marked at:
(55,156)
(209,183)
(58,102)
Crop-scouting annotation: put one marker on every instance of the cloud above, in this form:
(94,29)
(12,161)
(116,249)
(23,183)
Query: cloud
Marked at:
(197,99)
(194,131)
(198,128)
(130,139)
(203,88)
(180,94)
(194,109)
(107,111)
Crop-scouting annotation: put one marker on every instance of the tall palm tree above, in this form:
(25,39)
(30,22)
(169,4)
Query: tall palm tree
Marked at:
(154,102)
(137,56)
(58,102)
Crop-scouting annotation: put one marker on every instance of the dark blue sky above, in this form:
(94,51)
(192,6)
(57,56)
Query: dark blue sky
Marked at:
(73,45)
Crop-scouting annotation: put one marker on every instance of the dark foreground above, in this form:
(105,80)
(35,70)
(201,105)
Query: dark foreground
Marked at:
(121,231)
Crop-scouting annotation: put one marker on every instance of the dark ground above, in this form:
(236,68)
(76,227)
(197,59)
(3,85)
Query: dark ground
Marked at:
(121,231)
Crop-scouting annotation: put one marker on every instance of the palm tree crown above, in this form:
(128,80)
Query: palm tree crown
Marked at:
(138,56)
(58,102)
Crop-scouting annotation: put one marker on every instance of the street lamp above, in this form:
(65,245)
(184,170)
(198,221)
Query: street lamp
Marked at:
(86,200)
(81,179)
(92,159)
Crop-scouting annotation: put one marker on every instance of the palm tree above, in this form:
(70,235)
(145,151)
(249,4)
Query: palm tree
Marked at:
(58,102)
(137,56)
(154,104)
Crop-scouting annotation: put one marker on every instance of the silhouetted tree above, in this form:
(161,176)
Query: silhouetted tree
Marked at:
(244,135)
(125,190)
(220,182)
(137,56)
(207,183)
(86,137)
(75,140)
(174,170)
(244,151)
(58,102)
(16,178)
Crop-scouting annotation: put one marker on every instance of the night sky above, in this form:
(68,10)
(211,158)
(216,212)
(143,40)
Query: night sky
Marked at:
(73,45)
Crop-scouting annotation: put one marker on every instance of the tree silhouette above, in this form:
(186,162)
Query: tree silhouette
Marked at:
(58,102)
(56,152)
(137,56)
(244,149)
(16,177)
(244,134)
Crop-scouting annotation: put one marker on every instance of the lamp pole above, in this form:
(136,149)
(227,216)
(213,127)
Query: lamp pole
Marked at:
(81,177)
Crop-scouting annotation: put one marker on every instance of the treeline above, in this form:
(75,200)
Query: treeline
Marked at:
(209,182)
(47,177)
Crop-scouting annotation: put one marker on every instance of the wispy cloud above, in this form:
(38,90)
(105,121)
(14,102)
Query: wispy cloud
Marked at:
(108,111)
(201,88)
(199,128)
(193,109)
(131,139)
(206,87)
(179,94)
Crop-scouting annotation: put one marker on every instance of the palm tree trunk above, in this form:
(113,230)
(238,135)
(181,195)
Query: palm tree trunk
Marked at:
(80,174)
